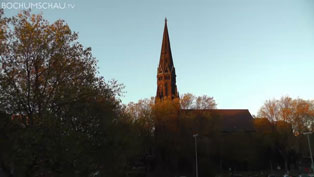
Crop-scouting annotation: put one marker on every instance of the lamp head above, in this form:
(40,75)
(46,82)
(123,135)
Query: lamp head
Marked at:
(195,135)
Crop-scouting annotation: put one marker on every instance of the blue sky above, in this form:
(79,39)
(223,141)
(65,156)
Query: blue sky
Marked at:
(241,52)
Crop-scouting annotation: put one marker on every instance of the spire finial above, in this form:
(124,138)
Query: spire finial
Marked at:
(165,19)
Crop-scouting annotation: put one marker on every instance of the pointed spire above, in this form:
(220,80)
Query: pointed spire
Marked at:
(166,74)
(166,61)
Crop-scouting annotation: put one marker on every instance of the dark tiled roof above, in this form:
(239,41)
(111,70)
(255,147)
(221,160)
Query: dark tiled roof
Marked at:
(232,119)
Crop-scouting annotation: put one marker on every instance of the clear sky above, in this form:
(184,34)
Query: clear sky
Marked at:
(241,52)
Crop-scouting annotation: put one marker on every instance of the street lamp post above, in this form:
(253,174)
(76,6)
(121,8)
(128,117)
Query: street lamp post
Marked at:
(309,142)
(196,166)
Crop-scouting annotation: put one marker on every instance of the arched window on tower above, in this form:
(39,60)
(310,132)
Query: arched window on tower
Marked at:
(160,92)
(166,88)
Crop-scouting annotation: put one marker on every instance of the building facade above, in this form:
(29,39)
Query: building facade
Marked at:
(232,119)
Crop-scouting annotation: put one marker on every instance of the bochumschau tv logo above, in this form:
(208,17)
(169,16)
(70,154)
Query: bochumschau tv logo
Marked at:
(41,5)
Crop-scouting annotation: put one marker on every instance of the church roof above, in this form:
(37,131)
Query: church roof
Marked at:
(232,119)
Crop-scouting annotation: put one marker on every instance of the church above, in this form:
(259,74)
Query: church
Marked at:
(232,119)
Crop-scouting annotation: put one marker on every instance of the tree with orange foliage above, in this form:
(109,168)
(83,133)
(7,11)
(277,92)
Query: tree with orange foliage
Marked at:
(189,101)
(298,112)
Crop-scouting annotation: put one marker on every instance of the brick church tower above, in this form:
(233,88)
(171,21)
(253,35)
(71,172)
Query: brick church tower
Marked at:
(166,74)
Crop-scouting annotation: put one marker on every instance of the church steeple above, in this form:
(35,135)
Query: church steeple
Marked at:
(166,75)
(165,56)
